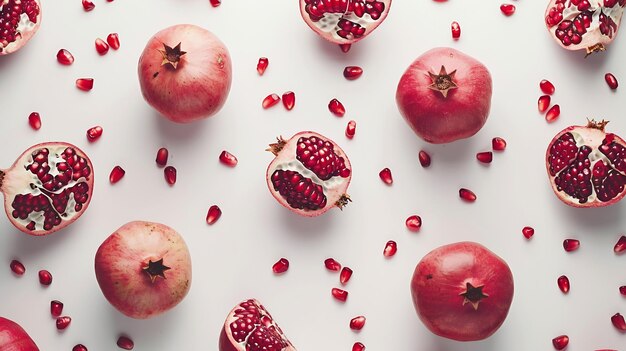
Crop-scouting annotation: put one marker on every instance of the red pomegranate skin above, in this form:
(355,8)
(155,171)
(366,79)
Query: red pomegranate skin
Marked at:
(438,119)
(14,338)
(442,276)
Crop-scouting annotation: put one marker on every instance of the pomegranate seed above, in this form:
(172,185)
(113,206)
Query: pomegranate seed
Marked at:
(390,248)
(563,283)
(101,46)
(553,113)
(507,9)
(262,65)
(336,108)
(94,133)
(65,57)
(414,223)
(345,275)
(228,159)
(345,47)
(618,322)
(350,129)
(560,342)
(546,87)
(34,119)
(214,214)
(332,265)
(456,30)
(63,322)
(528,232)
(126,343)
(84,84)
(216,3)
(114,41)
(498,144)
(622,290)
(352,72)
(339,294)
(45,278)
(161,157)
(116,174)
(88,5)
(357,323)
(611,81)
(79,347)
(385,176)
(289,100)
(424,158)
(358,346)
(543,103)
(56,308)
(467,195)
(270,101)
(571,245)
(281,266)
(485,157)
(170,175)
(620,246)
(17,267)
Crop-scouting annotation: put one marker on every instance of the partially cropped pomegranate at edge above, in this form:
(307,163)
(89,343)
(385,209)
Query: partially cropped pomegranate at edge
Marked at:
(309,175)
(587,166)
(445,95)
(14,338)
(462,291)
(250,327)
(48,187)
(185,73)
(19,21)
(143,269)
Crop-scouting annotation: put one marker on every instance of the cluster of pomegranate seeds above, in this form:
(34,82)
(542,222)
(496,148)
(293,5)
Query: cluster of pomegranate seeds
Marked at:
(345,275)
(507,9)
(17,267)
(261,66)
(34,119)
(101,46)
(620,245)
(79,347)
(560,342)
(94,133)
(352,72)
(88,5)
(456,30)
(467,195)
(611,81)
(424,158)
(126,343)
(351,129)
(485,157)
(619,322)
(498,144)
(281,266)
(571,245)
(84,84)
(170,175)
(289,100)
(528,232)
(563,283)
(216,3)
(413,223)
(270,100)
(332,265)
(553,113)
(357,323)
(339,294)
(358,346)
(336,108)
(546,87)
(228,159)
(45,278)
(543,103)
(385,176)
(213,214)
(117,173)
(161,157)
(390,248)
(63,322)
(65,57)
(56,308)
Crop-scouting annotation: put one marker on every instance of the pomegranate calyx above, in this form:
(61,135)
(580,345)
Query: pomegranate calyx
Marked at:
(473,295)
(276,147)
(597,125)
(343,201)
(443,81)
(156,269)
(171,55)
(595,48)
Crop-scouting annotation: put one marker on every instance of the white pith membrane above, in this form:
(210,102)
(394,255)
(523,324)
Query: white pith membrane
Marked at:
(249,322)
(24,26)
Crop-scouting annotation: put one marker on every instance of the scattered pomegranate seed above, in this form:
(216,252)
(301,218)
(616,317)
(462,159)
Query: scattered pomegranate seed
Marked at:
(161,157)
(216,3)
(507,9)
(17,267)
(281,266)
(528,232)
(262,65)
(88,5)
(289,100)
(65,57)
(352,72)
(34,119)
(56,308)
(63,322)
(345,47)
(357,323)
(498,144)
(571,245)
(351,129)
(84,84)
(117,173)
(214,214)
(385,176)
(620,246)
(170,175)
(543,103)
(622,290)
(563,283)
(94,133)
(79,347)
(332,265)
(101,46)
(339,294)
(456,30)
(618,322)
(560,342)
(546,87)
(611,81)
(336,108)
(270,100)
(358,346)
(114,41)
(345,275)
(485,157)
(553,113)
(390,248)
(414,223)
(126,343)
(467,195)
(228,159)
(45,278)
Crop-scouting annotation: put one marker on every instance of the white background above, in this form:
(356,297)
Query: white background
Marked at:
(232,260)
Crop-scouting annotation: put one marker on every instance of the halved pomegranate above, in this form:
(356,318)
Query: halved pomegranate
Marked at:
(48,187)
(309,175)
(19,21)
(586,166)
(249,327)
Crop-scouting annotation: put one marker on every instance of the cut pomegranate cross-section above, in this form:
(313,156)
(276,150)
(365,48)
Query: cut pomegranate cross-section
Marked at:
(19,21)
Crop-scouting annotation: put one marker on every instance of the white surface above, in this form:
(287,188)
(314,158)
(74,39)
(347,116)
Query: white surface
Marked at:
(232,259)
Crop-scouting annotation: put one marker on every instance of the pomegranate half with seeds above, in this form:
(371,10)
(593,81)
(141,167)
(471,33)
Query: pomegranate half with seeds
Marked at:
(584,24)
(19,21)
(587,166)
(309,175)
(14,338)
(48,187)
(250,327)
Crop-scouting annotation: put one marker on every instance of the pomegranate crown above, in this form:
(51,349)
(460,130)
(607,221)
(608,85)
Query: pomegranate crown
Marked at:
(597,125)
(171,55)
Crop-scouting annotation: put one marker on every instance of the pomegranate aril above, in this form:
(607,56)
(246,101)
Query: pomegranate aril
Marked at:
(424,158)
(456,30)
(357,323)
(622,290)
(498,144)
(270,101)
(56,308)
(571,245)
(289,100)
(350,129)
(560,342)
(228,159)
(114,41)
(485,157)
(546,87)
(332,265)
(543,103)
(261,66)
(336,108)
(345,275)
(390,248)
(88,5)
(63,322)
(467,195)
(339,294)
(216,3)
(358,346)
(618,322)
(34,119)
(170,175)
(117,173)
(94,133)
(45,278)
(563,283)
(101,46)
(507,9)
(413,223)
(553,113)
(611,81)
(161,157)
(385,176)
(65,57)
(126,343)
(214,214)
(79,347)
(345,47)
(84,84)
(352,72)
(528,232)
(17,267)
(281,266)
(620,245)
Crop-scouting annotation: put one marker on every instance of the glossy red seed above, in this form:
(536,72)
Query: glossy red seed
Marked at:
(332,265)
(216,3)
(622,290)
(170,174)
(507,9)
(456,30)
(563,283)
(261,66)
(94,133)
(618,322)
(485,157)
(214,214)
(88,5)
(498,144)
(56,308)
(560,342)
(467,195)
(390,248)
(385,176)
(413,223)
(17,267)
(228,159)
(101,46)
(357,323)
(351,129)
(117,173)
(84,84)
(358,346)
(126,343)
(289,100)
(345,47)
(336,108)
(528,232)
(79,347)
(620,245)
(45,278)
(65,57)
(610,79)
(571,244)
(339,294)
(546,87)
(281,266)
(270,100)
(34,119)
(113,40)
(63,322)
(553,113)
(424,158)
(345,275)
(352,72)
(161,156)
(543,103)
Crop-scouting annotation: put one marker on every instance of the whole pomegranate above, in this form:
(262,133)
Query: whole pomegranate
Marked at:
(143,269)
(249,327)
(14,338)
(309,175)
(587,166)
(462,291)
(445,95)
(584,24)
(19,21)
(185,73)
(48,187)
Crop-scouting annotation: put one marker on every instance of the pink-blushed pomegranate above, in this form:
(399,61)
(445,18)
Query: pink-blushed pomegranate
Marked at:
(47,188)
(185,73)
(445,95)
(143,269)
(587,166)
(344,22)
(309,175)
(584,24)
(250,327)
(19,21)
(462,291)
(14,338)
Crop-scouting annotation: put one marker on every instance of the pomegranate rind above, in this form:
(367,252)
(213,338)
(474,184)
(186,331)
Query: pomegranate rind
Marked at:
(14,337)
(25,35)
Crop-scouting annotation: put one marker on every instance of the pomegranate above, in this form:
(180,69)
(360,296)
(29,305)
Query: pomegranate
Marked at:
(48,187)
(14,338)
(344,22)
(587,166)
(19,21)
(462,291)
(250,327)
(445,95)
(309,175)
(189,85)
(588,24)
(143,269)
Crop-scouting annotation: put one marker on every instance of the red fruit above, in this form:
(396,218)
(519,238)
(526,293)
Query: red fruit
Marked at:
(213,215)
(543,103)
(620,245)
(485,157)
(597,160)
(385,176)
(456,30)
(143,269)
(345,275)
(113,40)
(390,248)
(170,175)
(528,232)
(94,133)
(34,119)
(309,175)
(228,159)
(546,87)
(185,73)
(45,278)
(619,322)
(88,5)
(281,266)
(19,21)
(84,84)
(250,327)
(560,342)
(101,46)
(161,157)
(350,129)
(332,265)
(498,144)
(462,291)
(358,346)
(563,283)
(414,223)
(79,347)
(352,72)
(17,267)
(339,294)
(467,195)
(216,3)
(63,322)
(289,100)
(14,338)
(446,105)
(117,173)
(357,323)
(336,108)
(611,81)
(270,100)
(507,9)
(589,24)
(424,158)
(126,343)
(344,22)
(553,113)
(261,66)
(56,308)
(65,57)
(571,245)
(48,187)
